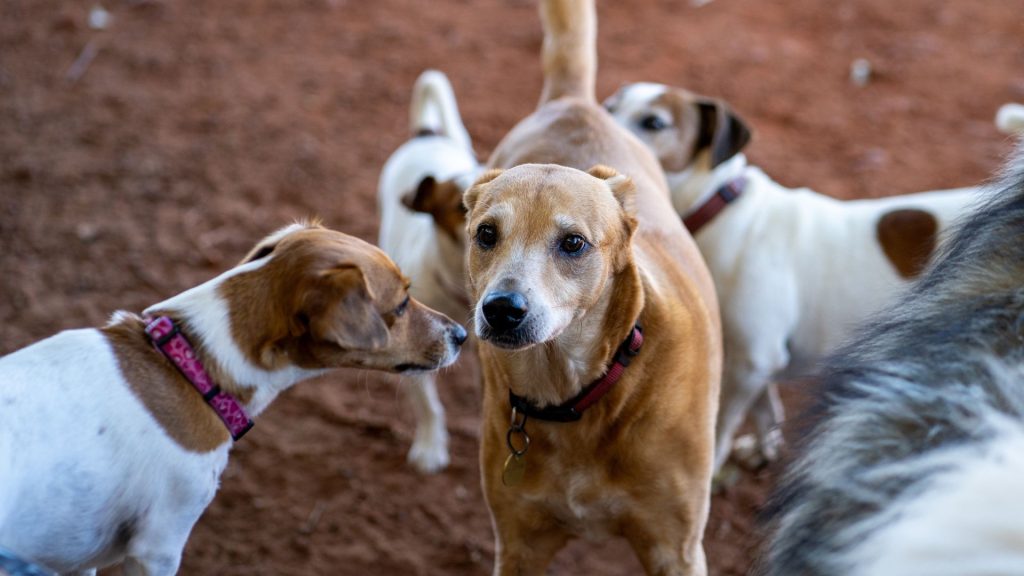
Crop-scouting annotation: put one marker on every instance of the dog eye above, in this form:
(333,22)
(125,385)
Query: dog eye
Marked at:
(573,244)
(653,123)
(486,236)
(402,307)
(262,253)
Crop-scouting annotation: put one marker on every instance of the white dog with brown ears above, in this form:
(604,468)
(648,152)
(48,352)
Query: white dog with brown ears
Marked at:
(113,440)
(422,227)
(794,269)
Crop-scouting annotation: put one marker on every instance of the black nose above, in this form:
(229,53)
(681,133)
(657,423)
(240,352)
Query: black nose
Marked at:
(504,310)
(458,335)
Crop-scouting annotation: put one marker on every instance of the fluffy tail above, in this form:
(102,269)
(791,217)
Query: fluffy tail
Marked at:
(570,49)
(1010,119)
(434,109)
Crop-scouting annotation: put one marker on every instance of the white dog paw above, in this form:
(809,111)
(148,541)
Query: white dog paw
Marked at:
(746,451)
(429,455)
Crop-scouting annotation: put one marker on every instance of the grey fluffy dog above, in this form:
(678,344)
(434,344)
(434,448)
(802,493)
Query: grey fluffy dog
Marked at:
(913,460)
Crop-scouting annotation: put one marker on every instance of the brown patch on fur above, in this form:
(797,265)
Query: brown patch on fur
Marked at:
(908,238)
(443,202)
(174,403)
(329,300)
(678,146)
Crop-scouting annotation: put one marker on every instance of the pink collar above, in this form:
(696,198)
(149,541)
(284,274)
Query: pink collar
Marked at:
(166,338)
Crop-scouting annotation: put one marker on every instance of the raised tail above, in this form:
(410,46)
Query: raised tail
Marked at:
(1010,119)
(435,110)
(569,57)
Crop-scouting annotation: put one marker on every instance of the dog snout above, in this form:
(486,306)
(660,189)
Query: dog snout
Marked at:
(504,311)
(458,335)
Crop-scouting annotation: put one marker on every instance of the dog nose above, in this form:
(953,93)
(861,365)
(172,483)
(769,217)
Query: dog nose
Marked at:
(458,335)
(504,310)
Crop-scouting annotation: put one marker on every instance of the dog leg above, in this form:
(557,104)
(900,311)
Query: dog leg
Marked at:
(526,554)
(429,452)
(662,555)
(152,565)
(768,414)
(743,382)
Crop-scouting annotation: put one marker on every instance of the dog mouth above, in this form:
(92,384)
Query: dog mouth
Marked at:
(410,367)
(514,340)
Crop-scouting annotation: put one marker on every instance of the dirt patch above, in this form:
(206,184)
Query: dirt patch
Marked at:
(201,126)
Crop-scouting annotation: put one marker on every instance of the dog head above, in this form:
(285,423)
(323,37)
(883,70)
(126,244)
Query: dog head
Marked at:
(315,298)
(544,240)
(685,131)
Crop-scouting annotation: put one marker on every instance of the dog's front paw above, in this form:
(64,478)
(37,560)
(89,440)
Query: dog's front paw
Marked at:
(429,452)
(754,453)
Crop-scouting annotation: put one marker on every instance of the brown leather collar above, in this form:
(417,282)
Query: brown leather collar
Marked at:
(725,195)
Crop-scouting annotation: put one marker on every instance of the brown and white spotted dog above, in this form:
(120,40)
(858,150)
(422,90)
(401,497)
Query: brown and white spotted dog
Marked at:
(794,269)
(112,440)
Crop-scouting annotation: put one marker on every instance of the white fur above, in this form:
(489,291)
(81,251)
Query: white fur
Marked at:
(82,459)
(1010,118)
(966,521)
(100,461)
(794,271)
(424,253)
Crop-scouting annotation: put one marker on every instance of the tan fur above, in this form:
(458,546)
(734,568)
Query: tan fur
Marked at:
(908,237)
(172,401)
(638,464)
(680,140)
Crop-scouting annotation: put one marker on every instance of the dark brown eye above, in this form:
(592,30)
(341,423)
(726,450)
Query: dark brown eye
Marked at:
(402,307)
(573,245)
(653,123)
(486,236)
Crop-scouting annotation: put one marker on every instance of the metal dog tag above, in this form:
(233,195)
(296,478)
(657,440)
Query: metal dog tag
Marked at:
(515,468)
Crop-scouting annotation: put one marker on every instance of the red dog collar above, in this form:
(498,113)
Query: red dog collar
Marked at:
(572,410)
(725,195)
(166,338)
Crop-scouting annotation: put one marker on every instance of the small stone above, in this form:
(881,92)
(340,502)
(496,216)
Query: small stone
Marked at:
(860,72)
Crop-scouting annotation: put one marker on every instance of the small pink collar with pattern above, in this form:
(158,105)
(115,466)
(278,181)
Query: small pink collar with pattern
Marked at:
(168,339)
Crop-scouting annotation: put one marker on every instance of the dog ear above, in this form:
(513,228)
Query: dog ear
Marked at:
(621,185)
(342,311)
(422,198)
(722,132)
(473,193)
(442,201)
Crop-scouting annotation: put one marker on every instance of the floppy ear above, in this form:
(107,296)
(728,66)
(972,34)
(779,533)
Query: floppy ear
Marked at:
(422,198)
(442,201)
(721,130)
(343,311)
(622,188)
(473,193)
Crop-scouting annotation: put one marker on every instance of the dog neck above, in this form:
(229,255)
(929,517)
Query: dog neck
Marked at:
(204,317)
(553,372)
(692,187)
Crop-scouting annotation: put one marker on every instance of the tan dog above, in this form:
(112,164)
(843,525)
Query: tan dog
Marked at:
(112,440)
(562,265)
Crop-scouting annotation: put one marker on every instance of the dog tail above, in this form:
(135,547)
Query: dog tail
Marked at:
(1010,119)
(435,111)
(569,57)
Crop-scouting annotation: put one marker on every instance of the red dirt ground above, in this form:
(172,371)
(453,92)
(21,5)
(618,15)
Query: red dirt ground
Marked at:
(201,126)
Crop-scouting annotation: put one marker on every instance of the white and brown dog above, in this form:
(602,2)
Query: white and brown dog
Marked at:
(794,269)
(422,227)
(112,440)
(591,427)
